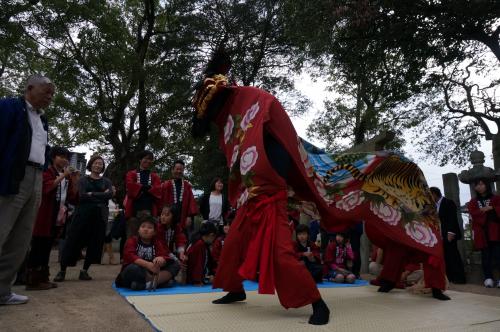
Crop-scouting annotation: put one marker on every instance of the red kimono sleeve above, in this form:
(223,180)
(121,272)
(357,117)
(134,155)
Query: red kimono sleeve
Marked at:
(495,203)
(133,188)
(192,209)
(155,190)
(316,252)
(296,250)
(476,214)
(162,250)
(48,182)
(330,253)
(180,239)
(72,197)
(196,260)
(166,193)
(130,251)
(216,250)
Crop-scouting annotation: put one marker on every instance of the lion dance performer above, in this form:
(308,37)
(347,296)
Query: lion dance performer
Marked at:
(268,163)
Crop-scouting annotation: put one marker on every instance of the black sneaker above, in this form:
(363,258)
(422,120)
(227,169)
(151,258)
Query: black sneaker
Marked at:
(60,276)
(84,275)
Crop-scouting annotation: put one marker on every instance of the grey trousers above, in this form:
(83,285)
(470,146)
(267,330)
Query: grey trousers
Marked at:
(17,216)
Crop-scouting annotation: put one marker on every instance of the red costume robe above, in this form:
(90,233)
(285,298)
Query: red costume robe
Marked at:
(189,206)
(134,187)
(199,262)
(217,250)
(260,237)
(49,207)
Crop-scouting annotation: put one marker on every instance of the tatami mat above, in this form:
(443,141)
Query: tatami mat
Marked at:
(353,309)
(190,289)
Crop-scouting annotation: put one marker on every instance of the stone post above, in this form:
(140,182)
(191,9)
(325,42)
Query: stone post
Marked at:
(452,191)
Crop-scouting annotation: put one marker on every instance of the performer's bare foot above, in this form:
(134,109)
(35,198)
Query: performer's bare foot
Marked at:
(438,294)
(321,313)
(231,297)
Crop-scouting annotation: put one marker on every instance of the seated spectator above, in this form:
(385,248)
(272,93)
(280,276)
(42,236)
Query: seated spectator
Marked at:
(199,259)
(219,244)
(171,234)
(376,257)
(308,252)
(411,275)
(338,260)
(146,261)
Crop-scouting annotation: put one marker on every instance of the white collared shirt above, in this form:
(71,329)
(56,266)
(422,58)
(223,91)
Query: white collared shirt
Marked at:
(38,138)
(438,203)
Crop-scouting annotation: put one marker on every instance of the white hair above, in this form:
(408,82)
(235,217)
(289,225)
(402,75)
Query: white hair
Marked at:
(37,79)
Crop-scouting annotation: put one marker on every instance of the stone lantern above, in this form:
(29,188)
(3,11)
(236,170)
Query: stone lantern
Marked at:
(478,171)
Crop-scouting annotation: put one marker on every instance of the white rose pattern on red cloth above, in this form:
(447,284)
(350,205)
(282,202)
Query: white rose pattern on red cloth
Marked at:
(242,199)
(350,201)
(234,157)
(421,233)
(248,159)
(386,212)
(228,129)
(249,116)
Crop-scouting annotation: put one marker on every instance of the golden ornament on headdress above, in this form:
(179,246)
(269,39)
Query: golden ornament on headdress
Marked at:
(211,85)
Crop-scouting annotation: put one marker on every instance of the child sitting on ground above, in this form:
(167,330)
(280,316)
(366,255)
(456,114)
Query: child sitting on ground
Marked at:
(171,234)
(338,258)
(199,259)
(219,244)
(308,252)
(146,261)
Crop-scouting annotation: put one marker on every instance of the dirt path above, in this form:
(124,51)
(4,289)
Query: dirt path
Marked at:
(74,306)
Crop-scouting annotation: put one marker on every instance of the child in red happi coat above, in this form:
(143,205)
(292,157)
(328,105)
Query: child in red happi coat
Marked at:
(338,258)
(200,267)
(146,259)
(171,234)
(308,252)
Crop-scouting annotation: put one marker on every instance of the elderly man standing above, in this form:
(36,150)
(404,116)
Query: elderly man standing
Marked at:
(23,144)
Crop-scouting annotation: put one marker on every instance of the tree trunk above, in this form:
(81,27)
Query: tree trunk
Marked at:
(495,150)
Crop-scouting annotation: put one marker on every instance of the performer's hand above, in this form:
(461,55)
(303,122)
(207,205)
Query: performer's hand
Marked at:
(189,222)
(451,237)
(211,279)
(159,261)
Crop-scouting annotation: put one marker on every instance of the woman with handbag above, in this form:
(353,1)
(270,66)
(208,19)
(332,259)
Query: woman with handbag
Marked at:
(59,188)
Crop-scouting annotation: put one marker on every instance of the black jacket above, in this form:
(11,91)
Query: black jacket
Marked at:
(205,206)
(15,143)
(449,219)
